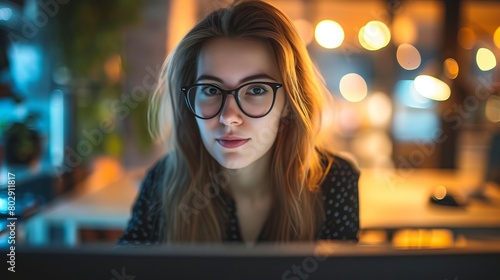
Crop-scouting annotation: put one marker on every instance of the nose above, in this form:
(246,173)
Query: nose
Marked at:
(231,113)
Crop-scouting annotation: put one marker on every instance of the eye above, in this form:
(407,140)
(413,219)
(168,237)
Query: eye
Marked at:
(210,90)
(257,90)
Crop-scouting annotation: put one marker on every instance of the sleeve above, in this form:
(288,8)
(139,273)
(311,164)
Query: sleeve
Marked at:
(142,227)
(341,202)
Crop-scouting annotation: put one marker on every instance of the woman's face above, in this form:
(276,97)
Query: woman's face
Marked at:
(231,137)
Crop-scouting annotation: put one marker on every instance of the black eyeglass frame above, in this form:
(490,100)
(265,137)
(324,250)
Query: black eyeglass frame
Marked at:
(233,92)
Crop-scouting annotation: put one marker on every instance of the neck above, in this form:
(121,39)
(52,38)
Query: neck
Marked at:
(253,181)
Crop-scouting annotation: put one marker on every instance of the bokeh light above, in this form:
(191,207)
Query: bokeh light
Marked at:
(61,75)
(406,94)
(485,59)
(379,109)
(362,41)
(372,145)
(439,192)
(5,13)
(374,35)
(451,68)
(113,68)
(408,57)
(305,30)
(349,121)
(466,38)
(432,88)
(423,238)
(329,34)
(353,87)
(492,109)
(496,37)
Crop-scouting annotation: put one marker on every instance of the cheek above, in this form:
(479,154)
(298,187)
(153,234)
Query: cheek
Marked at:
(275,116)
(206,127)
(274,121)
(267,129)
(202,128)
(280,106)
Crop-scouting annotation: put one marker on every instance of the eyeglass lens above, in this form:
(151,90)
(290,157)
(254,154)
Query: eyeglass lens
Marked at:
(255,99)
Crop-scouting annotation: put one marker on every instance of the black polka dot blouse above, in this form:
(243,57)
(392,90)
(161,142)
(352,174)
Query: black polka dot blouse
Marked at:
(339,194)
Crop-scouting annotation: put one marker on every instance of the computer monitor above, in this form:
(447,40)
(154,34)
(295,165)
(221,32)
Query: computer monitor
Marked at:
(325,260)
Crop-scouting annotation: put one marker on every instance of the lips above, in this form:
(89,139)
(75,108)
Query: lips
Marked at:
(232,142)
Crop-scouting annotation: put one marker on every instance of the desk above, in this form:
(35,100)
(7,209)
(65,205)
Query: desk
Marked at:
(389,200)
(102,208)
(394,199)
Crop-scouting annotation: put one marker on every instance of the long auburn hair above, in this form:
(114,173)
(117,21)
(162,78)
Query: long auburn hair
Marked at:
(191,206)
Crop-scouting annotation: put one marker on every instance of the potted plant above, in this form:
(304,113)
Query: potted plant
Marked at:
(22,142)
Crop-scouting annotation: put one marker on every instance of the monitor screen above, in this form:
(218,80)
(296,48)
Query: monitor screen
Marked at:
(324,260)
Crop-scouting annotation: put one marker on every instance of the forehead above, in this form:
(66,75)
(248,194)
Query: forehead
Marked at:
(230,59)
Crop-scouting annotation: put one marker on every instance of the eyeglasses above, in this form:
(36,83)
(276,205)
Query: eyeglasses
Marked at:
(255,99)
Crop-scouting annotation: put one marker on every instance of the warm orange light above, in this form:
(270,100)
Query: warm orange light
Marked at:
(372,237)
(106,170)
(374,35)
(485,59)
(379,109)
(440,192)
(422,238)
(373,144)
(451,68)
(466,38)
(182,16)
(362,41)
(113,68)
(305,30)
(408,57)
(329,34)
(492,109)
(353,87)
(496,37)
(404,30)
(432,88)
(349,121)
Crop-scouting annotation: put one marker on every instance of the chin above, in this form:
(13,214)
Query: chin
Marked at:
(234,163)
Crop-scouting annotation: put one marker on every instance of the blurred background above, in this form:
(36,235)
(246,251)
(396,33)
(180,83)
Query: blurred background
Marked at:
(416,86)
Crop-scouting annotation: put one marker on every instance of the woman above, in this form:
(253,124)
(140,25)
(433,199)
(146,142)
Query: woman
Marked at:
(242,109)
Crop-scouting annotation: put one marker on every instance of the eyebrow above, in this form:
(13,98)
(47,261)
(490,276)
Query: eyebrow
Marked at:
(244,80)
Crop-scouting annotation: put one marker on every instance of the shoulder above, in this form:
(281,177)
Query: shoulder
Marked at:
(341,169)
(342,162)
(157,170)
(143,224)
(149,192)
(341,202)
(341,178)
